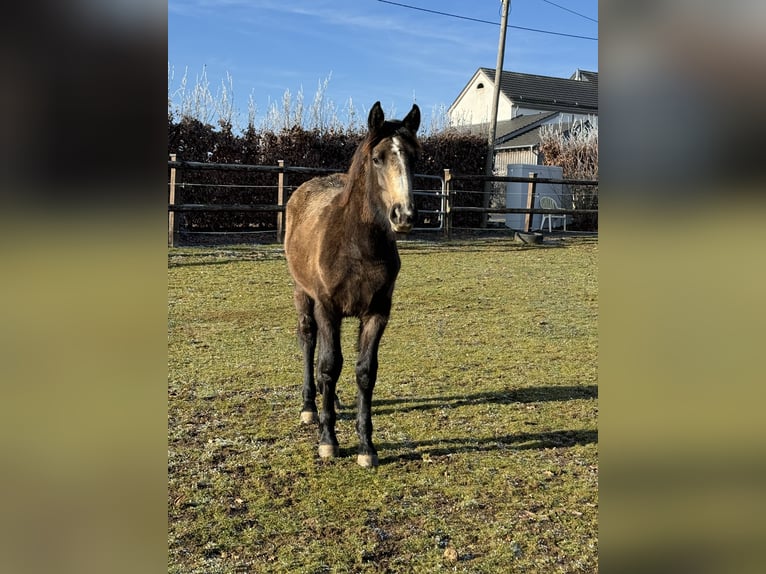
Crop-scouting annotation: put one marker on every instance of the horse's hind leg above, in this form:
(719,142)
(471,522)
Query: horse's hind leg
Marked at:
(329,366)
(370,333)
(307,337)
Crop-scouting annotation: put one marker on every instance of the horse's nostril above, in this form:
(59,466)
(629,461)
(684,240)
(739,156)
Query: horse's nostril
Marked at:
(400,216)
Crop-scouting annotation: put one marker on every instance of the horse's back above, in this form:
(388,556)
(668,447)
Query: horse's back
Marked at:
(307,202)
(306,206)
(307,216)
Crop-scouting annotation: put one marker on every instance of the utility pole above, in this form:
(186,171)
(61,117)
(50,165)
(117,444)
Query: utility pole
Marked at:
(493,114)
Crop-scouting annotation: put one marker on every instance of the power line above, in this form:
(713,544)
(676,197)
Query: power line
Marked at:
(572,11)
(487,21)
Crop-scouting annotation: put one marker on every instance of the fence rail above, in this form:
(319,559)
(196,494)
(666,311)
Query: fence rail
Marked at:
(199,165)
(518,179)
(445,195)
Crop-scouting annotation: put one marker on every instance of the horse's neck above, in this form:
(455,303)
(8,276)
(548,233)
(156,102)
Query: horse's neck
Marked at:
(363,203)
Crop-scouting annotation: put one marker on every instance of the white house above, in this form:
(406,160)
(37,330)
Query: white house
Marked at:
(527,102)
(525,94)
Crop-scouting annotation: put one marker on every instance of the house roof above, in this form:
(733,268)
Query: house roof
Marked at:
(585,76)
(526,134)
(530,136)
(546,92)
(510,128)
(521,125)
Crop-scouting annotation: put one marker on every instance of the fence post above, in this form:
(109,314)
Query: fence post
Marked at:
(530,201)
(447,204)
(172,222)
(281,201)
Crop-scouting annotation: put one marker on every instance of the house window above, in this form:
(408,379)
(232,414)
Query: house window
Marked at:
(479,86)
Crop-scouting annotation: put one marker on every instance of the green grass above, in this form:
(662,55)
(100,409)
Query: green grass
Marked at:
(485,417)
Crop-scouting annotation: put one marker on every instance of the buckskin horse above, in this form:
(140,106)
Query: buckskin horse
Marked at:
(340,244)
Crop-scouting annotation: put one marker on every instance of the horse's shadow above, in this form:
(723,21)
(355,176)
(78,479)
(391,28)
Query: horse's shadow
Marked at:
(424,449)
(431,449)
(507,397)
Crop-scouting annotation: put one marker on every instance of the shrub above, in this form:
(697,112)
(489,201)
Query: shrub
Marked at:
(575,149)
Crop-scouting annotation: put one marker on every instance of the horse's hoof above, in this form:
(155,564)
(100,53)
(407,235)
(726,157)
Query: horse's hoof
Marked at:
(309,418)
(328,450)
(367,460)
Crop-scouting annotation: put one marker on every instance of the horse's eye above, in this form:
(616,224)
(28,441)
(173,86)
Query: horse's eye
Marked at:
(376,159)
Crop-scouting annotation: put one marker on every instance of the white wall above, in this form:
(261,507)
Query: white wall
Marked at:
(475,106)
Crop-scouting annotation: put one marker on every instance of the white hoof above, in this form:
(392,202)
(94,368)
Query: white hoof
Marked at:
(367,460)
(309,418)
(328,451)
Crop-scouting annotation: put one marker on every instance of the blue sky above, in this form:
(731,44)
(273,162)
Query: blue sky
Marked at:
(368,49)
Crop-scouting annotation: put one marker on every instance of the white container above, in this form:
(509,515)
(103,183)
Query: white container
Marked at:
(516,193)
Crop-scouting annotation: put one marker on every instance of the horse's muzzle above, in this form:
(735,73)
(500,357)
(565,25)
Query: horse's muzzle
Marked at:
(402,218)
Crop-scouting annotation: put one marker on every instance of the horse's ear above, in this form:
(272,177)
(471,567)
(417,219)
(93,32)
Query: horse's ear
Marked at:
(376,117)
(412,120)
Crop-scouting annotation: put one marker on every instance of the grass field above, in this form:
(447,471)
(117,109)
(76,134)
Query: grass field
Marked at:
(485,417)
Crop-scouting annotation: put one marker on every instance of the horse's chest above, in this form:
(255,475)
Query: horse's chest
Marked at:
(376,276)
(357,284)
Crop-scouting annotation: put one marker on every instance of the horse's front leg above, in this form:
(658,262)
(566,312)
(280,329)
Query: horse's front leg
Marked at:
(329,366)
(370,333)
(307,337)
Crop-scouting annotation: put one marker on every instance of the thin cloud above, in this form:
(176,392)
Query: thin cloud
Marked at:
(327,13)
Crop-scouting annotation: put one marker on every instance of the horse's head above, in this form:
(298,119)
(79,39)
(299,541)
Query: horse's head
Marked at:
(393,150)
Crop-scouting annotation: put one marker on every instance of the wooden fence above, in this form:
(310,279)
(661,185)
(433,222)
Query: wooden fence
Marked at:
(446,195)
